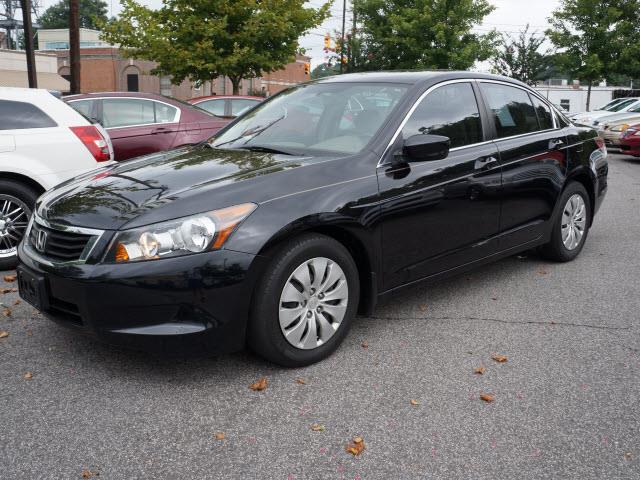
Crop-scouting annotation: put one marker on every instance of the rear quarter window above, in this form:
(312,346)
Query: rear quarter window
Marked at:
(22,115)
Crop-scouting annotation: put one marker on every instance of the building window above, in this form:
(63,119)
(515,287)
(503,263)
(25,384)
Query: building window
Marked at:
(165,86)
(132,82)
(566,104)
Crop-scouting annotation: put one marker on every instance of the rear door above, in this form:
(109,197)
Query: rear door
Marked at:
(241,105)
(217,106)
(139,126)
(533,155)
(439,215)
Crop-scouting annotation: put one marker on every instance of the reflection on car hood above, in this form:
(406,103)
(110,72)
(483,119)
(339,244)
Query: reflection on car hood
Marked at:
(159,187)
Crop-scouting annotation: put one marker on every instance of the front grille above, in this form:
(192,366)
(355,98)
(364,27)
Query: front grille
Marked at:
(58,245)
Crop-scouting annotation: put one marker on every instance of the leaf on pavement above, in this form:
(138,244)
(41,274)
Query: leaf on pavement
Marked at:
(486,397)
(9,278)
(4,334)
(479,371)
(413,402)
(6,312)
(627,455)
(364,344)
(219,436)
(356,447)
(317,427)
(28,376)
(542,271)
(6,290)
(259,385)
(423,307)
(89,474)
(301,381)
(499,358)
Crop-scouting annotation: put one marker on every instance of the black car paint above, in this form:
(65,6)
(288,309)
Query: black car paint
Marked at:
(403,221)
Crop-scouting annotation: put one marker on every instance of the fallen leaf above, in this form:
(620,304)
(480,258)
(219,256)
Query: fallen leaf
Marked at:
(259,385)
(6,290)
(479,371)
(413,402)
(499,358)
(494,298)
(9,278)
(29,333)
(627,455)
(17,302)
(356,447)
(14,289)
(542,272)
(6,312)
(89,474)
(423,307)
(301,381)
(317,427)
(28,376)
(219,436)
(3,334)
(365,344)
(486,397)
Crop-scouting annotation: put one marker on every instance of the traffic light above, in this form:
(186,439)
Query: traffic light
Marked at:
(307,69)
(327,41)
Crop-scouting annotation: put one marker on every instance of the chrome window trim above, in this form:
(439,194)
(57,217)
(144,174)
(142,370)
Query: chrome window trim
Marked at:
(470,80)
(176,117)
(88,249)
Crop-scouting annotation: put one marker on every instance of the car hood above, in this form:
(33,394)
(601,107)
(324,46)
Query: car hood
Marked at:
(620,118)
(162,186)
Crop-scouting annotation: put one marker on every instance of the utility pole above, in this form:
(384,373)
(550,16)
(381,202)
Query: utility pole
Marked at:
(344,13)
(28,43)
(74,45)
(353,38)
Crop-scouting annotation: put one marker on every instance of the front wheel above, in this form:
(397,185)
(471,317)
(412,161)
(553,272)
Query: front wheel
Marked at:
(305,302)
(572,225)
(16,205)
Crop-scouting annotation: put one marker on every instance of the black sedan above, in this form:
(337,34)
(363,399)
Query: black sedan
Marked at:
(276,232)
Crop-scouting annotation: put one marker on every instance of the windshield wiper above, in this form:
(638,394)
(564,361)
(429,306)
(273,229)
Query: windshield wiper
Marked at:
(252,132)
(265,149)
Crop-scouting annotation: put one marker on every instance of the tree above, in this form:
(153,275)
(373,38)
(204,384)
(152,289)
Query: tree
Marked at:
(204,39)
(421,34)
(597,38)
(92,13)
(325,70)
(521,58)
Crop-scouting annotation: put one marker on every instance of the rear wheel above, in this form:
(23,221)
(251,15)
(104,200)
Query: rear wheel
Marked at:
(572,225)
(305,302)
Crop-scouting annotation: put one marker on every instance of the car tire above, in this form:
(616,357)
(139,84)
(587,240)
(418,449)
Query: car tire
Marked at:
(573,197)
(271,309)
(14,195)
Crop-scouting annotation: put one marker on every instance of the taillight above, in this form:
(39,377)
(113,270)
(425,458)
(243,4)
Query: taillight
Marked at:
(94,141)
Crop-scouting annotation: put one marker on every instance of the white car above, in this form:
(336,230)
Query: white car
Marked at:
(43,142)
(589,118)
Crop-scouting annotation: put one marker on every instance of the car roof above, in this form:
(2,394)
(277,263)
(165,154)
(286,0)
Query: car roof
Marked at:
(223,97)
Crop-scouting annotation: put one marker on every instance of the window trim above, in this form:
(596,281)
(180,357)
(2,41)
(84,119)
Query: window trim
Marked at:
(176,118)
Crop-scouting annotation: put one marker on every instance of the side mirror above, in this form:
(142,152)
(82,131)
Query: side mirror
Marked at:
(423,148)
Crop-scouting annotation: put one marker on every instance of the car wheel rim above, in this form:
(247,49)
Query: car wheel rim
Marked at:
(574,222)
(313,303)
(14,218)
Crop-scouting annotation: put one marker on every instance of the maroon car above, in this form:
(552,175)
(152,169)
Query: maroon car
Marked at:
(142,123)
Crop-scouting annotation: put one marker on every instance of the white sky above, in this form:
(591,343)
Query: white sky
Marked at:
(510,16)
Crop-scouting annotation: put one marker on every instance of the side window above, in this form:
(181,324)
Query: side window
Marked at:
(213,106)
(545,117)
(22,115)
(513,112)
(117,112)
(240,105)
(451,111)
(83,106)
(165,113)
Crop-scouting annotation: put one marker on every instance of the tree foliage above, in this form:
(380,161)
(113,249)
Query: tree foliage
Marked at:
(521,58)
(421,34)
(92,13)
(597,38)
(203,39)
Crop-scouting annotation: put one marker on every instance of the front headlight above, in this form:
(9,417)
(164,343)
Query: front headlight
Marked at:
(620,128)
(193,234)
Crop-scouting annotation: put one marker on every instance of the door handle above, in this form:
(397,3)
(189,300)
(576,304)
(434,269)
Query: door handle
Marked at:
(161,130)
(485,163)
(556,144)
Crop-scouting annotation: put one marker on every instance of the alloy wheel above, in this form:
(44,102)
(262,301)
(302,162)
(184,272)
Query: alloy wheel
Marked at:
(574,221)
(313,303)
(14,218)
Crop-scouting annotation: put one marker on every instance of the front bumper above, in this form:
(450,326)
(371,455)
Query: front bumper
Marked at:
(190,304)
(611,139)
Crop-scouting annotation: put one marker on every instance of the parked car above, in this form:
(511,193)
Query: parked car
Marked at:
(606,107)
(273,235)
(611,127)
(630,141)
(226,106)
(589,118)
(43,142)
(143,123)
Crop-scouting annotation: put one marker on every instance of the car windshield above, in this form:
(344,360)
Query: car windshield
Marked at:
(621,105)
(315,118)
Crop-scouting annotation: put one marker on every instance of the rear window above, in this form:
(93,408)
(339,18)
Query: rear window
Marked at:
(22,115)
(513,112)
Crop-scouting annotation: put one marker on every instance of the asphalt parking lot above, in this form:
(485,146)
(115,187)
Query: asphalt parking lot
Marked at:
(566,403)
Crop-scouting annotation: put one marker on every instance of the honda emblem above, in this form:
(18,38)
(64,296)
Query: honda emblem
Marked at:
(41,240)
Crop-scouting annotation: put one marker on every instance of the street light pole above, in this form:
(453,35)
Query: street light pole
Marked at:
(28,43)
(344,12)
(74,45)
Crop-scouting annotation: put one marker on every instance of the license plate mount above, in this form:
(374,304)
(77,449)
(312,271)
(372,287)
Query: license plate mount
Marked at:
(32,287)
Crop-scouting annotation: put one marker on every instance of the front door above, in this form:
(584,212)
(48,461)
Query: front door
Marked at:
(437,215)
